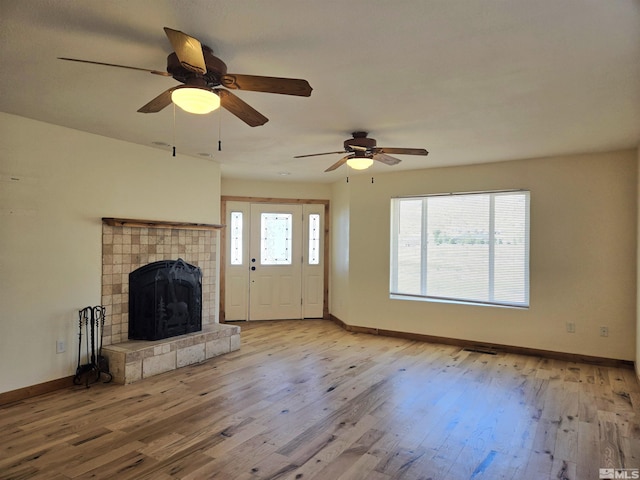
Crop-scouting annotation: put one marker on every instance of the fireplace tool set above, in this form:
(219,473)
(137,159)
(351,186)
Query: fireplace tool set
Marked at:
(91,320)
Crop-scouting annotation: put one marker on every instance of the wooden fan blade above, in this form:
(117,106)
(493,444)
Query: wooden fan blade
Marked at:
(402,151)
(339,163)
(158,103)
(318,154)
(386,159)
(155,72)
(241,109)
(188,50)
(254,83)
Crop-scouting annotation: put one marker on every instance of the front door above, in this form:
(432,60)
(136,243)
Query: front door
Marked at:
(274,266)
(276,262)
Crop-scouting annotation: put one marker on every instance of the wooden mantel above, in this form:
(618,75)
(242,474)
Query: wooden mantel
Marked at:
(130,222)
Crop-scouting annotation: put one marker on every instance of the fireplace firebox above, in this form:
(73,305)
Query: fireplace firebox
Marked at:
(165,300)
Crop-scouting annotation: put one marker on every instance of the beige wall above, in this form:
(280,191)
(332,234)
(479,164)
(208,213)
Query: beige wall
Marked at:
(50,239)
(583,255)
(275,189)
(339,294)
(638,281)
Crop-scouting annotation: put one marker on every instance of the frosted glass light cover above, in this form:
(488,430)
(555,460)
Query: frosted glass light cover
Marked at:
(195,100)
(359,163)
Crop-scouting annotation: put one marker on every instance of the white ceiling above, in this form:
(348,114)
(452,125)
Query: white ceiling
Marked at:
(469,80)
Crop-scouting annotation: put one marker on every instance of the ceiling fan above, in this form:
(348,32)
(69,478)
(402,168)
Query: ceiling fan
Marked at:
(201,73)
(362,151)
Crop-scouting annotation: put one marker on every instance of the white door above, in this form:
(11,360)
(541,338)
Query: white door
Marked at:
(274,265)
(275,276)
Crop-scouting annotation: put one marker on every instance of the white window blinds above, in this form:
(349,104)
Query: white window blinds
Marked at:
(462,247)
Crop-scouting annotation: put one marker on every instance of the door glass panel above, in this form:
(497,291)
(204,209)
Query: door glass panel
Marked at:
(314,239)
(236,238)
(275,238)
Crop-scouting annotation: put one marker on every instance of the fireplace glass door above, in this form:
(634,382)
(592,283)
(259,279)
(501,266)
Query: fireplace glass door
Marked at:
(165,300)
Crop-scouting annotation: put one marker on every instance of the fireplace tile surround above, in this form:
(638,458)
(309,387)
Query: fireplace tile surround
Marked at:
(127,247)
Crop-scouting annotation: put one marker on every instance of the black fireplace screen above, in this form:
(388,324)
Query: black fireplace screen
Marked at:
(165,300)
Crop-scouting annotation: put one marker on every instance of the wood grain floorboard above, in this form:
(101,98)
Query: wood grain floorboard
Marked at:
(308,400)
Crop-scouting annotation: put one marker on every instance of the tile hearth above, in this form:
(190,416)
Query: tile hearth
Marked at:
(137,359)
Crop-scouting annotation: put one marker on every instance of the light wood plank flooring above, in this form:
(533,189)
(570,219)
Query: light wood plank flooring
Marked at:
(308,400)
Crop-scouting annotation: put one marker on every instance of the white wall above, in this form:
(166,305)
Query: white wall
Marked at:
(583,255)
(50,238)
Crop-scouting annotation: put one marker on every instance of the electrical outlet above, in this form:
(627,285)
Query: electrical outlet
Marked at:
(604,331)
(571,327)
(61,347)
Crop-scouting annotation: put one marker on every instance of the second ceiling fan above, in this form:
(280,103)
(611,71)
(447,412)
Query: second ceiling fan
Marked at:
(362,151)
(202,73)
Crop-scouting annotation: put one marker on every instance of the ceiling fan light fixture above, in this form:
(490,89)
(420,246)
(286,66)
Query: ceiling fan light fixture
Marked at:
(195,99)
(360,163)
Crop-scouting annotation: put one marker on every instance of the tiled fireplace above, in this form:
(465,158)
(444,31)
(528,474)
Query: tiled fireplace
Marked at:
(130,244)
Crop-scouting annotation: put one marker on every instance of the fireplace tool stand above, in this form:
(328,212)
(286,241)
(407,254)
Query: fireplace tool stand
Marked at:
(91,319)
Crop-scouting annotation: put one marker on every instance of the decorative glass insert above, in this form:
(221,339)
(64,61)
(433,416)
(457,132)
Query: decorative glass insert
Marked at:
(314,239)
(275,238)
(236,238)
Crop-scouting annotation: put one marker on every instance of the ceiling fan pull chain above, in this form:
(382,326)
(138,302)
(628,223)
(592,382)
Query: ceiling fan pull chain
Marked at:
(219,129)
(347,179)
(174,129)
(371,179)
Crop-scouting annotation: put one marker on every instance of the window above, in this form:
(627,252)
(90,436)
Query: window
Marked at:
(461,247)
(275,238)
(314,239)
(236,238)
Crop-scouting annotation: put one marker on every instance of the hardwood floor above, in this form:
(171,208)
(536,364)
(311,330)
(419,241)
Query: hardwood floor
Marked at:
(308,400)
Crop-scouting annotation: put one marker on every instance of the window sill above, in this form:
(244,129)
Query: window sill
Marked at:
(416,298)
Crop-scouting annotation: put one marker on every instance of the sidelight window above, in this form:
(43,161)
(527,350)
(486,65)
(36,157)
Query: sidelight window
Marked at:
(314,239)
(236,238)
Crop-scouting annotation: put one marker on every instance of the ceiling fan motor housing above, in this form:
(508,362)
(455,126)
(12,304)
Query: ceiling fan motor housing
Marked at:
(216,69)
(360,140)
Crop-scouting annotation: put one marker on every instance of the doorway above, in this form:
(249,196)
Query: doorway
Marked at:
(274,264)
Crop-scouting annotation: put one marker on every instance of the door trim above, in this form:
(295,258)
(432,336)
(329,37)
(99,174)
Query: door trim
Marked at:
(223,243)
